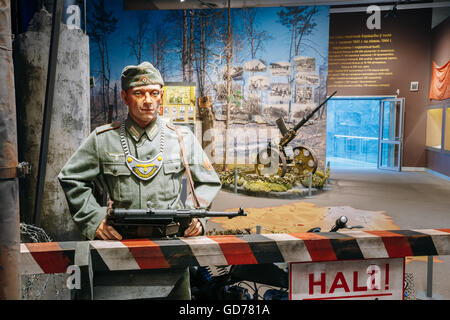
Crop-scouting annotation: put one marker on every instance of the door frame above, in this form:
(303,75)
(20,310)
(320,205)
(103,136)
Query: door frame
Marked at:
(397,140)
(374,97)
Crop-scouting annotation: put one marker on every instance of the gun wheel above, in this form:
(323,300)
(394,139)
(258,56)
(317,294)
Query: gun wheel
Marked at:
(267,164)
(304,161)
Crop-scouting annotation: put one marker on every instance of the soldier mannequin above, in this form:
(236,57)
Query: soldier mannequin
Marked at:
(116,153)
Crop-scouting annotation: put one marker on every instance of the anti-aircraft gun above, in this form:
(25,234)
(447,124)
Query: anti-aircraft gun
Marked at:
(298,158)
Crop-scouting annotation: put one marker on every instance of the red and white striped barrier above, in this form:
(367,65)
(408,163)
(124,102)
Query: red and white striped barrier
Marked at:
(55,257)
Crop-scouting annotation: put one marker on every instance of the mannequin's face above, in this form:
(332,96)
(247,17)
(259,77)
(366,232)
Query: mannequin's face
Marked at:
(143,103)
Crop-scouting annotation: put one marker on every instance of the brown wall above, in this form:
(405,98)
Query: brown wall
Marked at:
(440,54)
(411,38)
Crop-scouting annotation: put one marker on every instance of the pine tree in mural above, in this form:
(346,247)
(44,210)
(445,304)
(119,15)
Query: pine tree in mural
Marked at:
(206,34)
(158,49)
(101,23)
(138,41)
(253,35)
(300,22)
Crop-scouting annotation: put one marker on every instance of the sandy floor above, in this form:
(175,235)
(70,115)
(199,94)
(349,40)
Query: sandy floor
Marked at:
(302,216)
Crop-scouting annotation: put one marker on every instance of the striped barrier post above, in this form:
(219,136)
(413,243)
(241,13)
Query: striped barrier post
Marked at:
(56,257)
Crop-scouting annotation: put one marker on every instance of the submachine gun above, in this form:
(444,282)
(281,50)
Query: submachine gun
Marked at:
(298,158)
(159,223)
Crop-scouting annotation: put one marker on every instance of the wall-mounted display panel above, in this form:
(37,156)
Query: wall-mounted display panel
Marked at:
(179,103)
(434,128)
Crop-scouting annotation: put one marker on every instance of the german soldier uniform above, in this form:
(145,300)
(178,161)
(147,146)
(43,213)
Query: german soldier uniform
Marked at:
(136,166)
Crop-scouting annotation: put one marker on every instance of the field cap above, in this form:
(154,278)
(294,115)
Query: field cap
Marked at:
(140,75)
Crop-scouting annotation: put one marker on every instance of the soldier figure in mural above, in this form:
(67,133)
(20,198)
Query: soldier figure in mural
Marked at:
(138,162)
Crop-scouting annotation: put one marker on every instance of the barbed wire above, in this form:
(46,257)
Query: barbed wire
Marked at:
(33,233)
(410,290)
(34,286)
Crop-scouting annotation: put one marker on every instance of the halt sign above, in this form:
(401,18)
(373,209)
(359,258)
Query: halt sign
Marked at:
(381,279)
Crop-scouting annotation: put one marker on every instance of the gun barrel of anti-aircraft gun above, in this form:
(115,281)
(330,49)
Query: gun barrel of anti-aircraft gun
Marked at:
(290,135)
(305,119)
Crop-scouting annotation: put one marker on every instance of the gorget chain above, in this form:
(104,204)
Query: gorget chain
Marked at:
(144,170)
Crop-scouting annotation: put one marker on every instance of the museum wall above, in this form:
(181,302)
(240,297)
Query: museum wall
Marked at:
(384,62)
(438,160)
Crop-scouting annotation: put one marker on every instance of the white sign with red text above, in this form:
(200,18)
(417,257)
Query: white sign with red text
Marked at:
(354,279)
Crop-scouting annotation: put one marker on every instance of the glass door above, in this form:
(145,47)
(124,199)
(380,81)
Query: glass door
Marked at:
(390,143)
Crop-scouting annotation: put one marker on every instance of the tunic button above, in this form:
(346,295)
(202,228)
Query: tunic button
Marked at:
(114,170)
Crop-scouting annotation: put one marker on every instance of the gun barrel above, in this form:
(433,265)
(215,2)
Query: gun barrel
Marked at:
(135,214)
(122,213)
(282,126)
(290,135)
(305,119)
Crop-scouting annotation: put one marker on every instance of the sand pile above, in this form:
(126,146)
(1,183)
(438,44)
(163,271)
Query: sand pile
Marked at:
(302,216)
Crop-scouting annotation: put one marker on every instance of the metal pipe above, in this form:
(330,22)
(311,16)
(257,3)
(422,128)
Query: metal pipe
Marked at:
(326,186)
(48,106)
(9,185)
(235,180)
(309,185)
(430,277)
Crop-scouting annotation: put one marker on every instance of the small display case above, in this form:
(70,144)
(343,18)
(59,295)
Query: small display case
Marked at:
(447,129)
(434,128)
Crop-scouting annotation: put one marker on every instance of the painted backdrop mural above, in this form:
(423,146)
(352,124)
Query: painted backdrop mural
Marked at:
(277,61)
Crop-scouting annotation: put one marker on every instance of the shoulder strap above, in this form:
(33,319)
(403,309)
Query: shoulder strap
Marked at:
(186,166)
(107,127)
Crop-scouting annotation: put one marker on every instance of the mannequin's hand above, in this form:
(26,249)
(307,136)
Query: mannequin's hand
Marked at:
(195,228)
(105,231)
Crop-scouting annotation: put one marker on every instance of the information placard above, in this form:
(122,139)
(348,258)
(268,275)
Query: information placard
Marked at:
(380,279)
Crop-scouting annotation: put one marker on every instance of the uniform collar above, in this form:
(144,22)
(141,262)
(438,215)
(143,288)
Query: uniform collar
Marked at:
(136,131)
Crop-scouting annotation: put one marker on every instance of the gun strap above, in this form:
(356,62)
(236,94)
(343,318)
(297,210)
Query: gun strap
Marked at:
(186,166)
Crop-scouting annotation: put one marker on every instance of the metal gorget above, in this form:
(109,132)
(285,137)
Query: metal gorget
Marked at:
(144,170)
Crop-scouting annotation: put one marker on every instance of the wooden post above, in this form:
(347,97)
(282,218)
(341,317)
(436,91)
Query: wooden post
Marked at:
(9,186)
(207,118)
(229,54)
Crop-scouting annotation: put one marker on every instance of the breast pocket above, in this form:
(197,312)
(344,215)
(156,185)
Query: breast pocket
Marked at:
(119,181)
(173,172)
